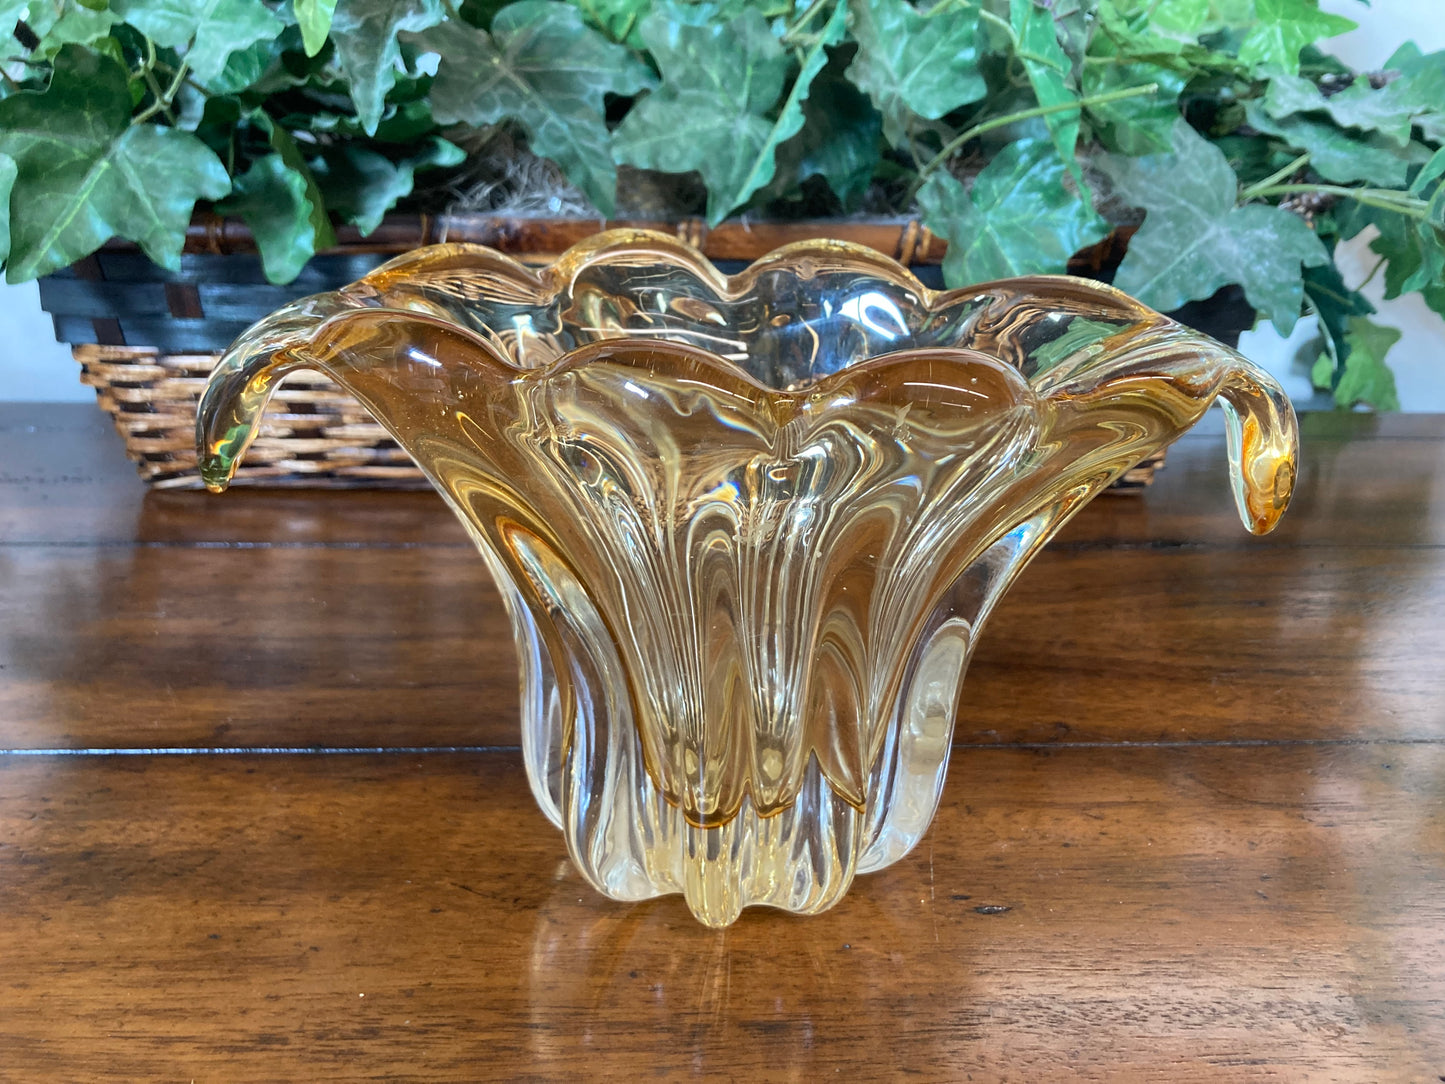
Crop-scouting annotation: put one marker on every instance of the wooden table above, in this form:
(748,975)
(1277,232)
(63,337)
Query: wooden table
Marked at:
(262,814)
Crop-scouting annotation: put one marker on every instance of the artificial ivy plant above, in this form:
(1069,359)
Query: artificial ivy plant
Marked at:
(1021,130)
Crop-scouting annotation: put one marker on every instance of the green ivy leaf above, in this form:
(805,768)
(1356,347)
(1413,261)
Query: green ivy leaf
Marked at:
(1432,127)
(1365,377)
(272,198)
(1434,297)
(1080,336)
(1421,81)
(792,116)
(712,113)
(912,64)
(1415,253)
(406,123)
(1282,28)
(1426,82)
(480,13)
(618,19)
(65,22)
(369,51)
(1126,30)
(361,185)
(1018,220)
(1048,70)
(1338,156)
(279,200)
(1358,106)
(1415,98)
(1153,34)
(1134,126)
(8,170)
(1179,19)
(543,67)
(85,174)
(1194,239)
(839,140)
(1430,172)
(1334,303)
(243,69)
(217,125)
(261,68)
(1073,26)
(214,29)
(314,17)
(1413,248)
(1231,15)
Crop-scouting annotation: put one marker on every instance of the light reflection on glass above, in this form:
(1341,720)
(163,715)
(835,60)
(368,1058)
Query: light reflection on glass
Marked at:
(867,309)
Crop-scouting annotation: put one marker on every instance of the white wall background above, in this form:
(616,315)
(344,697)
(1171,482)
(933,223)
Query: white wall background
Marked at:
(33,366)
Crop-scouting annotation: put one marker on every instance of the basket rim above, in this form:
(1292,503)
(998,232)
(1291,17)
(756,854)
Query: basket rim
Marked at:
(904,238)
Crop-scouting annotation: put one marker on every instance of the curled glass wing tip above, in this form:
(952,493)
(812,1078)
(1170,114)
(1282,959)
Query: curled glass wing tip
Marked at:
(1263,437)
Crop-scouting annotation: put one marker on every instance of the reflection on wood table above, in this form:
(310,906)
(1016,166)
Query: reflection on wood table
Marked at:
(262,815)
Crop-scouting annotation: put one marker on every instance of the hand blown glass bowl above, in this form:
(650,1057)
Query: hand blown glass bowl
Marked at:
(748,529)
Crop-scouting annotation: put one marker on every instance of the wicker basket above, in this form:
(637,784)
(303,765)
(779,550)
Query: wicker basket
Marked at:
(147,339)
(312,434)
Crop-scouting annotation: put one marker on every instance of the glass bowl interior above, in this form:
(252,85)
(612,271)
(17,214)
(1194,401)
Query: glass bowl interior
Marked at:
(802,313)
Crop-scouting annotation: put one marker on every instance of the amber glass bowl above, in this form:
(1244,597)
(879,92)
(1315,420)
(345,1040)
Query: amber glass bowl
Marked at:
(748,528)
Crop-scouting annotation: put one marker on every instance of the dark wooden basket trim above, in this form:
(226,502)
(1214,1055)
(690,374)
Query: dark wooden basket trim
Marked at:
(118,297)
(904,238)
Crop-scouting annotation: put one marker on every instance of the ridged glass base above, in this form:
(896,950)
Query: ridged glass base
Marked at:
(589,775)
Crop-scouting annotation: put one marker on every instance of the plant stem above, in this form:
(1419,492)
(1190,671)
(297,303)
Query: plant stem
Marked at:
(177,80)
(1000,22)
(790,34)
(1373,272)
(1028,114)
(159,102)
(1274,178)
(1383,198)
(163,98)
(912,146)
(151,110)
(1327,345)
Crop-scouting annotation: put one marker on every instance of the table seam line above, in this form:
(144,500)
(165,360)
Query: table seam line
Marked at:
(433,750)
(1160,546)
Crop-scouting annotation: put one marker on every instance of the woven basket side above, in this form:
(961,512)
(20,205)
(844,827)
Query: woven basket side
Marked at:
(312,434)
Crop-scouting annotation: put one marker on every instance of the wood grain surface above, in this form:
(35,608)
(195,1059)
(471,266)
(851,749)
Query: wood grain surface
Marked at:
(1205,913)
(1194,827)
